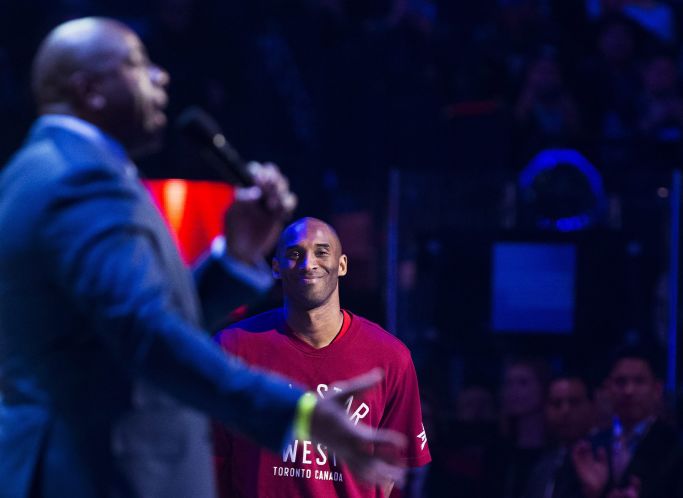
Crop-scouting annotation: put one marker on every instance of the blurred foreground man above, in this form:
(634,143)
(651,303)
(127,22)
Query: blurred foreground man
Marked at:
(103,367)
(318,344)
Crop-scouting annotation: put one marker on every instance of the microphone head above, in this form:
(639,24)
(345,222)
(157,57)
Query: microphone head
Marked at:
(200,128)
(196,124)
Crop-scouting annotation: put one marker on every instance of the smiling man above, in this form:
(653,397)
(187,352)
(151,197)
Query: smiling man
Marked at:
(313,341)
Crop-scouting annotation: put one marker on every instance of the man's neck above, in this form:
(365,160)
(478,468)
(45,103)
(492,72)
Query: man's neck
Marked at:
(87,130)
(317,327)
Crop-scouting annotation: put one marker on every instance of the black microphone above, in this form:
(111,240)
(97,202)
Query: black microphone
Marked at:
(202,130)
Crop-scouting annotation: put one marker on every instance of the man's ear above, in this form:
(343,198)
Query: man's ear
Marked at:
(343,265)
(85,92)
(275,267)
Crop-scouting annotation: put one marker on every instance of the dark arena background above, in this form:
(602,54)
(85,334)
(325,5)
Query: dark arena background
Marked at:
(505,177)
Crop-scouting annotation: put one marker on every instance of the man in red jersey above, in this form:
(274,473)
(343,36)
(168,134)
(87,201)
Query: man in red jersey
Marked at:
(312,341)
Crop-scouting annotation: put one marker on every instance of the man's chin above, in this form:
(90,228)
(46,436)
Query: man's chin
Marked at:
(307,303)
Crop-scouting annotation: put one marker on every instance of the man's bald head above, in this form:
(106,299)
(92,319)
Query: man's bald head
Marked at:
(98,70)
(82,46)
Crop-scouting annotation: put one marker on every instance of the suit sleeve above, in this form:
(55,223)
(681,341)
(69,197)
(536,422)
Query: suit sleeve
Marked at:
(109,266)
(224,284)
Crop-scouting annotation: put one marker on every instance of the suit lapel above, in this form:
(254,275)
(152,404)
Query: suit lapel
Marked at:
(86,153)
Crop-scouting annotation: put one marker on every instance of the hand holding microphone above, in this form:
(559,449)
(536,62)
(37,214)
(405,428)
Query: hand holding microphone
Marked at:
(270,188)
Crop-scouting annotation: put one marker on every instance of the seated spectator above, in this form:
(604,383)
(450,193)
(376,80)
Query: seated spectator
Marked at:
(640,455)
(462,438)
(509,463)
(661,102)
(545,111)
(610,80)
(569,413)
(520,28)
(475,404)
(569,416)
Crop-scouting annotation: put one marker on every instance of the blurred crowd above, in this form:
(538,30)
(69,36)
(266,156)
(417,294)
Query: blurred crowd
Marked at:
(542,433)
(341,90)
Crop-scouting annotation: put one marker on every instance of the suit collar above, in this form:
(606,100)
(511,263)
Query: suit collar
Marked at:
(87,142)
(85,130)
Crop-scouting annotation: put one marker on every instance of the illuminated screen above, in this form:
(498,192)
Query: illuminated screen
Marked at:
(193,211)
(533,287)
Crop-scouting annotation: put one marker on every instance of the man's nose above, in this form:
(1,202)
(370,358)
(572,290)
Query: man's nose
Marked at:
(159,75)
(308,262)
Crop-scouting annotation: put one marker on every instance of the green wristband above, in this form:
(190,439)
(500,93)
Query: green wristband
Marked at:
(304,415)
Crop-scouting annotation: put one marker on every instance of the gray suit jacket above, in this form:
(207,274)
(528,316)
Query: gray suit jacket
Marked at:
(103,368)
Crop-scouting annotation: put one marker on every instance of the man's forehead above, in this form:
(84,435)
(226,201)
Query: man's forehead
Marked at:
(627,365)
(311,232)
(109,45)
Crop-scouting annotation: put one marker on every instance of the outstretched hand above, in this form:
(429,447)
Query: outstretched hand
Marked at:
(256,218)
(591,469)
(371,454)
(630,491)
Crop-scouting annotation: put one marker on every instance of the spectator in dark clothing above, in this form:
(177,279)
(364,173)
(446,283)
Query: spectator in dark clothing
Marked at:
(520,29)
(661,103)
(508,464)
(569,417)
(546,112)
(640,455)
(462,439)
(610,80)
